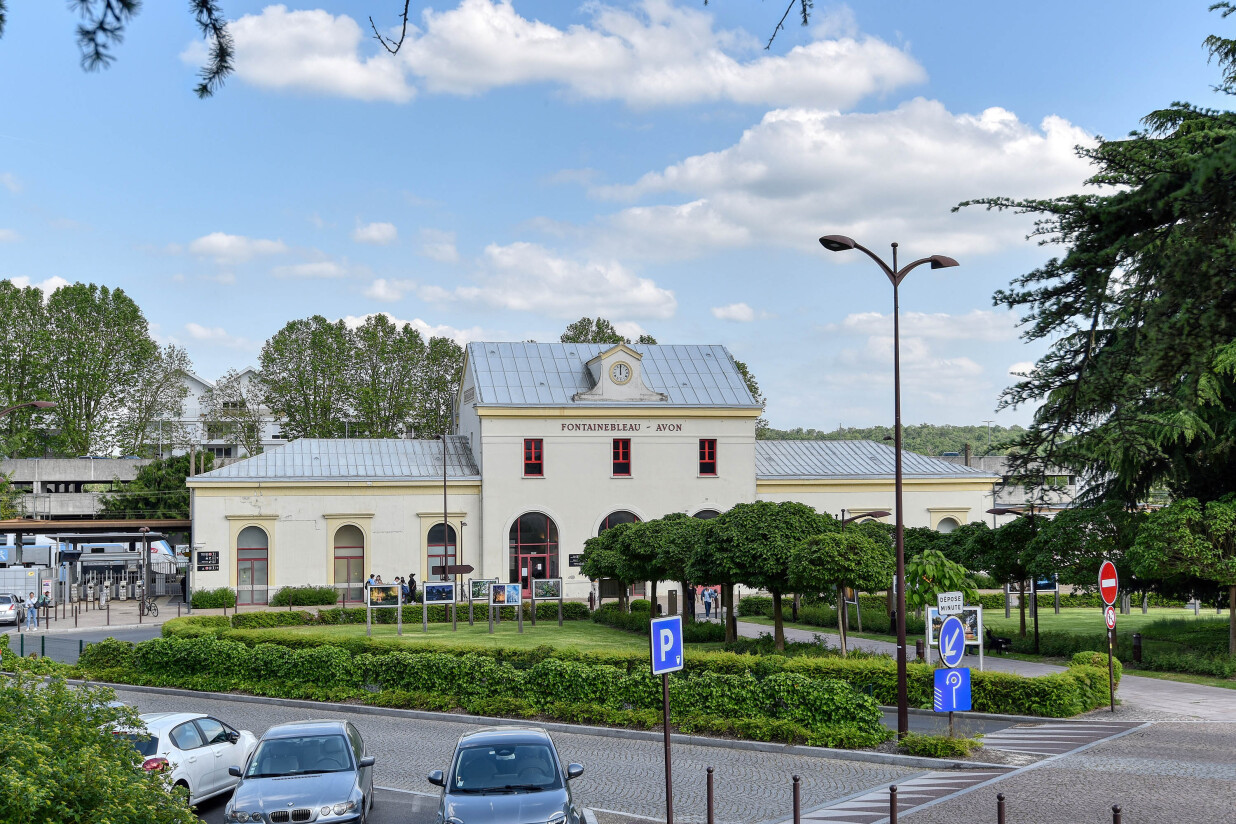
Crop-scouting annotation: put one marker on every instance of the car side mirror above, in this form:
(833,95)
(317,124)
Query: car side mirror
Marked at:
(233,737)
(436,777)
(234,771)
(367,761)
(574,771)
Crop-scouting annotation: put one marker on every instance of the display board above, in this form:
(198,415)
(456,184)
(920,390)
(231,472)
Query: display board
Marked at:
(439,592)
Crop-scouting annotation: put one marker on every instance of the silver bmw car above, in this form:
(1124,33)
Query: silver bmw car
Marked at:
(302,772)
(501,775)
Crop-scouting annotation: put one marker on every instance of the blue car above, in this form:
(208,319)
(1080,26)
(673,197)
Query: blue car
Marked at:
(506,775)
(302,772)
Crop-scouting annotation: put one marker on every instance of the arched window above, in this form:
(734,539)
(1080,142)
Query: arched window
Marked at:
(350,562)
(706,514)
(533,548)
(947,525)
(615,518)
(252,557)
(441,553)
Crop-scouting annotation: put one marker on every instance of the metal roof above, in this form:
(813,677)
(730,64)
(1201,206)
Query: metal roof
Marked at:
(550,374)
(353,459)
(789,460)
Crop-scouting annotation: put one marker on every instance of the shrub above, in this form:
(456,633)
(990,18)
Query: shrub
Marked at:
(196,626)
(1098,660)
(758,605)
(259,620)
(938,746)
(305,597)
(641,605)
(106,654)
(693,632)
(213,598)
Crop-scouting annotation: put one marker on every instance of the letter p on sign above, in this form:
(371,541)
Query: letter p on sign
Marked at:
(666,645)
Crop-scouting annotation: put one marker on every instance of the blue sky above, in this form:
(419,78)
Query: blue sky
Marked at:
(521,164)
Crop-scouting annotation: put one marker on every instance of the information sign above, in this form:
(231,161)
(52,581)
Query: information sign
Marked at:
(1109,582)
(952,691)
(666,641)
(950,603)
(952,641)
(207,560)
(1047,583)
(1109,616)
(438,592)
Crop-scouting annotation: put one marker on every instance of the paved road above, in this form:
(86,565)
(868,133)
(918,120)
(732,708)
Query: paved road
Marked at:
(623,776)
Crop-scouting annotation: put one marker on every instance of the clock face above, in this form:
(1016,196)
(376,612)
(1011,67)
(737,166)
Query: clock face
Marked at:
(620,372)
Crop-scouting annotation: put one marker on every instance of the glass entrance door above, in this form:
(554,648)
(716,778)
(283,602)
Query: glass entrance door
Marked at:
(533,549)
(251,582)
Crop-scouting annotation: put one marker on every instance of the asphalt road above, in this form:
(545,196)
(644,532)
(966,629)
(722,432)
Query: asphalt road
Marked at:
(389,807)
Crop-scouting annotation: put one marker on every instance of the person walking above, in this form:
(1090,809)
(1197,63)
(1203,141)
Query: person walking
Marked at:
(691,594)
(407,592)
(707,597)
(32,612)
(412,585)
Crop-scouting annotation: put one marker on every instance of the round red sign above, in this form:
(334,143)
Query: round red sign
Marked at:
(1109,615)
(1108,583)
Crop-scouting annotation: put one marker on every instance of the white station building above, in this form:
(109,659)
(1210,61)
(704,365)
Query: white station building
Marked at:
(555,443)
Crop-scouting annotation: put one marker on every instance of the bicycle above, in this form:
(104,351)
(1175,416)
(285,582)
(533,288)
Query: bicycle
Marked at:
(149,607)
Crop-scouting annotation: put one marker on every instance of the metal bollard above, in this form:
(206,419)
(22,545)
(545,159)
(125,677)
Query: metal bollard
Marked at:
(999,808)
(892,804)
(710,801)
(798,801)
(109,612)
(1137,647)
(919,650)
(1115,814)
(177,609)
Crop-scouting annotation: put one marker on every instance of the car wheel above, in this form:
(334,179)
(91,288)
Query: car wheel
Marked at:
(185,784)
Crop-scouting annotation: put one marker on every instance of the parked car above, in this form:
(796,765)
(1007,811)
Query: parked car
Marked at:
(305,771)
(11,609)
(507,774)
(197,749)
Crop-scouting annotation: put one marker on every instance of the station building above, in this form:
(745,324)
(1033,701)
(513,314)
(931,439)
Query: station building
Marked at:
(555,442)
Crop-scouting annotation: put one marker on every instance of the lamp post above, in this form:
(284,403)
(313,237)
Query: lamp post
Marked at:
(35,404)
(841,243)
(141,600)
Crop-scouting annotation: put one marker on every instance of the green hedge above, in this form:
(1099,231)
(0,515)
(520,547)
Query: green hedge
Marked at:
(305,597)
(693,632)
(213,598)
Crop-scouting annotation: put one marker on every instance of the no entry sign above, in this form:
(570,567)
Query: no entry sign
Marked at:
(1109,616)
(1108,582)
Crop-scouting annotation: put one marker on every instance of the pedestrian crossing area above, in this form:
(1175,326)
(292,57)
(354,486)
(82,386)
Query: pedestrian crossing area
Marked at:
(1054,739)
(873,806)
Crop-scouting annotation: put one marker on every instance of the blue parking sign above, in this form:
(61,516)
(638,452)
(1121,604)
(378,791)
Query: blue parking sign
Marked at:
(952,691)
(666,643)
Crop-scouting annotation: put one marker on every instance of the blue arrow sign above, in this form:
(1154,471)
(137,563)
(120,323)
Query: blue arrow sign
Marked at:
(952,690)
(666,644)
(952,641)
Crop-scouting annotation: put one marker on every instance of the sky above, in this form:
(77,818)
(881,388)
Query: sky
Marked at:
(521,164)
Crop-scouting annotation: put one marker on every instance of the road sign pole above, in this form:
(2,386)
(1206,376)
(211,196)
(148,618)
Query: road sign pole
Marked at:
(1111,675)
(424,612)
(669,773)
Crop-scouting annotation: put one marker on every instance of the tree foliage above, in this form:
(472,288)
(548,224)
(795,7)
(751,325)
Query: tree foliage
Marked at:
(158,491)
(23,365)
(232,409)
(598,330)
(304,366)
(835,560)
(930,573)
(1138,388)
(151,412)
(387,363)
(923,438)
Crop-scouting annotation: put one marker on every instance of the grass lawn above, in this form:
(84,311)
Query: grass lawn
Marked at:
(1082,620)
(582,635)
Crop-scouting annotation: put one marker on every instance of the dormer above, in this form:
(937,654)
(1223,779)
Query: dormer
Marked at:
(617,377)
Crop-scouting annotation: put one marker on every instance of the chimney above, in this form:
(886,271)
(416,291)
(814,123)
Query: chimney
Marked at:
(967,454)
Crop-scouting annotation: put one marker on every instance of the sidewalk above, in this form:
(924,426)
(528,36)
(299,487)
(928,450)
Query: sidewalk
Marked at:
(1141,697)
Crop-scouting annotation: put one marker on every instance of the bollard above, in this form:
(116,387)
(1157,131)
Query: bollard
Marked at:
(75,616)
(710,803)
(177,609)
(43,654)
(109,612)
(798,801)
(999,808)
(1137,647)
(892,804)
(919,650)
(1115,814)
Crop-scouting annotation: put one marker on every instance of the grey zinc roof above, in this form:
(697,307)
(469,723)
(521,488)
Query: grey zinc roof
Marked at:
(353,459)
(790,460)
(549,374)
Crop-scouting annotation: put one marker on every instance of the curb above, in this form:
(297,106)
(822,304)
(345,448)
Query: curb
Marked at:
(71,630)
(990,716)
(578,729)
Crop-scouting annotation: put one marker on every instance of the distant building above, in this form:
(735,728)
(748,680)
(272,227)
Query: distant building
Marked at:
(192,427)
(66,488)
(1058,490)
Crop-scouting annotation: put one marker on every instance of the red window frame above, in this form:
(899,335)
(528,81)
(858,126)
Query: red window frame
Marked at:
(622,457)
(534,458)
(708,456)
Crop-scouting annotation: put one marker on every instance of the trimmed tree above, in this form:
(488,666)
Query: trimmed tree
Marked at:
(710,564)
(602,559)
(929,573)
(680,538)
(835,560)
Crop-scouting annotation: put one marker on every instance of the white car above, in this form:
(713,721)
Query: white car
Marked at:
(11,610)
(197,749)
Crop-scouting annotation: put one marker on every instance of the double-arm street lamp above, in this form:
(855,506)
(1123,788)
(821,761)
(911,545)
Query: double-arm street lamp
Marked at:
(841,243)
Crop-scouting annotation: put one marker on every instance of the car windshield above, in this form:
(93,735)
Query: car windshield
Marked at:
(506,768)
(300,755)
(147,745)
(6,599)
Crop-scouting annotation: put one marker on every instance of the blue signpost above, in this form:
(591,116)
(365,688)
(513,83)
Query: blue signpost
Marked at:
(952,691)
(952,641)
(666,644)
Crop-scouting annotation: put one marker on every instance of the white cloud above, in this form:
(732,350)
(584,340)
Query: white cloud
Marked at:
(315,270)
(9,236)
(379,234)
(985,325)
(439,245)
(217,335)
(460,336)
(310,51)
(389,290)
(10,182)
(48,286)
(527,277)
(655,54)
(892,175)
(225,248)
(1021,369)
(739,312)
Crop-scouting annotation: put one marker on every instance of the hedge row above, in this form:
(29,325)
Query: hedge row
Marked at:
(874,614)
(304,597)
(438,614)
(638,620)
(221,598)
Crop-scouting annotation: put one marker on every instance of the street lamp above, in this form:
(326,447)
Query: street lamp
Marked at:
(35,404)
(841,243)
(141,599)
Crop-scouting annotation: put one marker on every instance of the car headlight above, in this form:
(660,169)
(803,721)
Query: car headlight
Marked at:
(454,820)
(341,808)
(243,817)
(557,818)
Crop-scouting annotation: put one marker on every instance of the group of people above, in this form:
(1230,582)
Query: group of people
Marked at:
(706,595)
(406,585)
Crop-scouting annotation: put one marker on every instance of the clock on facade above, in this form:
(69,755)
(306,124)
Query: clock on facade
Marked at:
(620,373)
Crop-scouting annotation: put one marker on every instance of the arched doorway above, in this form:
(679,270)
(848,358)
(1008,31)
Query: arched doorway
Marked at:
(706,514)
(608,587)
(947,525)
(440,552)
(621,516)
(533,548)
(350,563)
(252,557)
